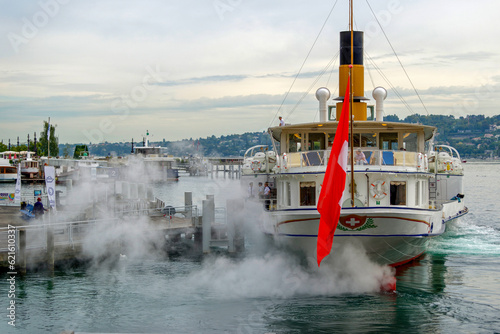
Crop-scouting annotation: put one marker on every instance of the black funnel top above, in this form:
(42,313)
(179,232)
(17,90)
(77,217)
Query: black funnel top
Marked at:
(345,47)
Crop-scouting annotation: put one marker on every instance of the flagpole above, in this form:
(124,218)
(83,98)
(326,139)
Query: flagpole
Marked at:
(48,142)
(351,136)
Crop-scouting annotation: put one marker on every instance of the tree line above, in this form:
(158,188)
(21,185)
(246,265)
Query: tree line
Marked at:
(474,136)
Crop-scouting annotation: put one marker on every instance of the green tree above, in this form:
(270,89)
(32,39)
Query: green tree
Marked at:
(53,140)
(3,147)
(80,150)
(20,148)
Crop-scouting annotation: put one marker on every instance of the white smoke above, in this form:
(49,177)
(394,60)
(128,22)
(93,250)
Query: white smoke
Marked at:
(280,275)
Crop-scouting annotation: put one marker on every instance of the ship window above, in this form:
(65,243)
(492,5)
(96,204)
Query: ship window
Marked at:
(368,140)
(307,193)
(398,193)
(355,139)
(316,141)
(410,142)
(330,137)
(294,142)
(388,141)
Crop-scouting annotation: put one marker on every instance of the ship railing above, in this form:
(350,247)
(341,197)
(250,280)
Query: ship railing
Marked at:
(65,234)
(70,233)
(187,211)
(373,158)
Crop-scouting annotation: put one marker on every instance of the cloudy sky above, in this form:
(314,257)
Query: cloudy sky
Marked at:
(109,70)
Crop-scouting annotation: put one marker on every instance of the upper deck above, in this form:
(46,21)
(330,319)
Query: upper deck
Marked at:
(378,135)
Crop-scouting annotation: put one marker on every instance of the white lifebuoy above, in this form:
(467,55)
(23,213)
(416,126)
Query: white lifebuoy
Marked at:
(377,189)
(448,166)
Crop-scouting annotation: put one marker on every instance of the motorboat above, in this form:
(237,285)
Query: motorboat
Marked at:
(30,167)
(8,173)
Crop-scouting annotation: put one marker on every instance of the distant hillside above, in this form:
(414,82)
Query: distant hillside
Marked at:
(474,136)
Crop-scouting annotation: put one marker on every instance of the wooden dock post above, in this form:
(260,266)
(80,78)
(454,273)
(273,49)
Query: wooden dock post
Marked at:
(207,219)
(69,185)
(50,248)
(188,198)
(22,251)
(188,203)
(235,226)
(126,190)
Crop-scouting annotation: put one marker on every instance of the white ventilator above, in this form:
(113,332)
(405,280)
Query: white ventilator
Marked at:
(379,94)
(322,94)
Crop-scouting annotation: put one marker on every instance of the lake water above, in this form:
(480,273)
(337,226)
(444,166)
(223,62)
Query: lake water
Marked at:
(454,288)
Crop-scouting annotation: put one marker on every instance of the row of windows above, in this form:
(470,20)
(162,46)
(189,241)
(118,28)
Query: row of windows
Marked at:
(8,170)
(307,194)
(320,141)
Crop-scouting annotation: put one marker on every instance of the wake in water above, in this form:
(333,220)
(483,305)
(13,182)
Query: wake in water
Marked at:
(468,236)
(280,275)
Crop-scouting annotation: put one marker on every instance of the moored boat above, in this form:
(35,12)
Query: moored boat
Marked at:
(155,163)
(401,189)
(8,173)
(29,166)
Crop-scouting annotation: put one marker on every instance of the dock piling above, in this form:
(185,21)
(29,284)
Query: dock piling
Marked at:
(235,227)
(188,203)
(208,219)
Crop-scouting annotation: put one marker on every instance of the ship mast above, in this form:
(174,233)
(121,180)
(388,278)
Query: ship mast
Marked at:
(351,135)
(351,69)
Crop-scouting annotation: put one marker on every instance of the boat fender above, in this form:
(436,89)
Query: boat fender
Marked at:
(285,161)
(420,160)
(426,163)
(377,189)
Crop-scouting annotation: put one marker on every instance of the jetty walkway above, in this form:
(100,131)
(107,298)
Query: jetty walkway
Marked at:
(54,240)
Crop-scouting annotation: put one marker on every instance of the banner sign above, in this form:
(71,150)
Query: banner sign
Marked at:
(7,197)
(50,184)
(17,197)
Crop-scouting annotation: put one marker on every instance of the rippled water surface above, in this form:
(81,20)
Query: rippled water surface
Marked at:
(454,288)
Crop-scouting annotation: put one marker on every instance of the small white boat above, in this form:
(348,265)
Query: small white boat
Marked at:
(30,167)
(157,164)
(8,173)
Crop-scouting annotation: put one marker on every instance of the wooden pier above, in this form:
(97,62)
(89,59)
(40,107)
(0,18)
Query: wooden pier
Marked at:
(47,243)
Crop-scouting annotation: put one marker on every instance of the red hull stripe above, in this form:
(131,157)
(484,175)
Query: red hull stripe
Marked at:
(384,217)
